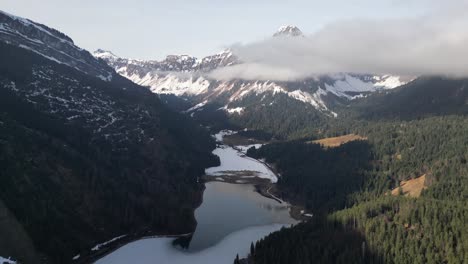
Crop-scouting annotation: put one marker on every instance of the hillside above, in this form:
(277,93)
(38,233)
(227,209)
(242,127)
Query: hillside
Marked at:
(85,159)
(424,97)
(350,201)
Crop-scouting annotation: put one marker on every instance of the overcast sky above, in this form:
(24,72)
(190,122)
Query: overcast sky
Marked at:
(152,29)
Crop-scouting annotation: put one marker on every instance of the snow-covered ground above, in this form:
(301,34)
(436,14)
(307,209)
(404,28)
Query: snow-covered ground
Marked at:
(160,250)
(233,160)
(7,260)
(244,148)
(220,135)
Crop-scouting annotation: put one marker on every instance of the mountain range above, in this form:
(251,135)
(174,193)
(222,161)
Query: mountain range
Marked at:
(92,149)
(189,77)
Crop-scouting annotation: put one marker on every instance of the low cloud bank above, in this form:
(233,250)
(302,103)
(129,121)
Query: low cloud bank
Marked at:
(436,44)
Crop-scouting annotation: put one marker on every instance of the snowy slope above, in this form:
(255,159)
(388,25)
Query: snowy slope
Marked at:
(288,31)
(183,75)
(351,86)
(51,44)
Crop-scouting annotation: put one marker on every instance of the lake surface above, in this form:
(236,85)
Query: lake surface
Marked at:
(227,208)
(229,219)
(161,251)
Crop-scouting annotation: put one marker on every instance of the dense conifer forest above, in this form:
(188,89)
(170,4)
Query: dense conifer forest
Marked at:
(67,187)
(348,190)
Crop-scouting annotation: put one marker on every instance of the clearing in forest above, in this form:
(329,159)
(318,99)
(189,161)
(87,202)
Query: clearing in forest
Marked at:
(411,188)
(337,141)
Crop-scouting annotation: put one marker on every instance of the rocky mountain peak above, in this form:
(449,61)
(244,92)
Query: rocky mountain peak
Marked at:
(104,54)
(288,31)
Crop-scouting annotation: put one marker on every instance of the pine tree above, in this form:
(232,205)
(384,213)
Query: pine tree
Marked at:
(237,261)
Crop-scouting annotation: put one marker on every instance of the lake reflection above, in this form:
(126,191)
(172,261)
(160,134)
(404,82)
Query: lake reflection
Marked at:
(227,208)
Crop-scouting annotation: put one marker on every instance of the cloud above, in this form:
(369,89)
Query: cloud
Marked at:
(435,44)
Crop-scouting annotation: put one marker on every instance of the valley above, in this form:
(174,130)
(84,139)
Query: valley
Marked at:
(293,149)
(232,215)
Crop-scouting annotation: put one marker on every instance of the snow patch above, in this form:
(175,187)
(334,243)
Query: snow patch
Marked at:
(345,84)
(220,135)
(231,111)
(244,149)
(196,107)
(233,160)
(238,110)
(7,260)
(104,54)
(388,81)
(98,246)
(107,78)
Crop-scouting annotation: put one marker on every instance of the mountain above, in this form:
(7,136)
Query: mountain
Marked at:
(424,97)
(172,63)
(415,132)
(288,31)
(86,154)
(189,78)
(51,44)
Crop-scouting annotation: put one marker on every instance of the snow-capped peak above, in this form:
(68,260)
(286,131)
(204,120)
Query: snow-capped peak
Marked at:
(180,58)
(225,52)
(104,54)
(288,30)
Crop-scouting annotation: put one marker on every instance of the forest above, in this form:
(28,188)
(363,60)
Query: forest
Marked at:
(68,188)
(348,187)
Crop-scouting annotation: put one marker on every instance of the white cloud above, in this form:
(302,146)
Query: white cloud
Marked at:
(435,44)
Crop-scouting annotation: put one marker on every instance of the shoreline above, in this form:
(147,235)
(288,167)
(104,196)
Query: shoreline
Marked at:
(113,246)
(91,256)
(262,186)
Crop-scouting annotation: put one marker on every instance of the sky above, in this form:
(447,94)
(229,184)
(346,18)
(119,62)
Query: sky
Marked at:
(435,43)
(152,29)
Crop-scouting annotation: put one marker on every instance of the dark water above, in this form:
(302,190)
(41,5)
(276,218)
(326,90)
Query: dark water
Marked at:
(231,207)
